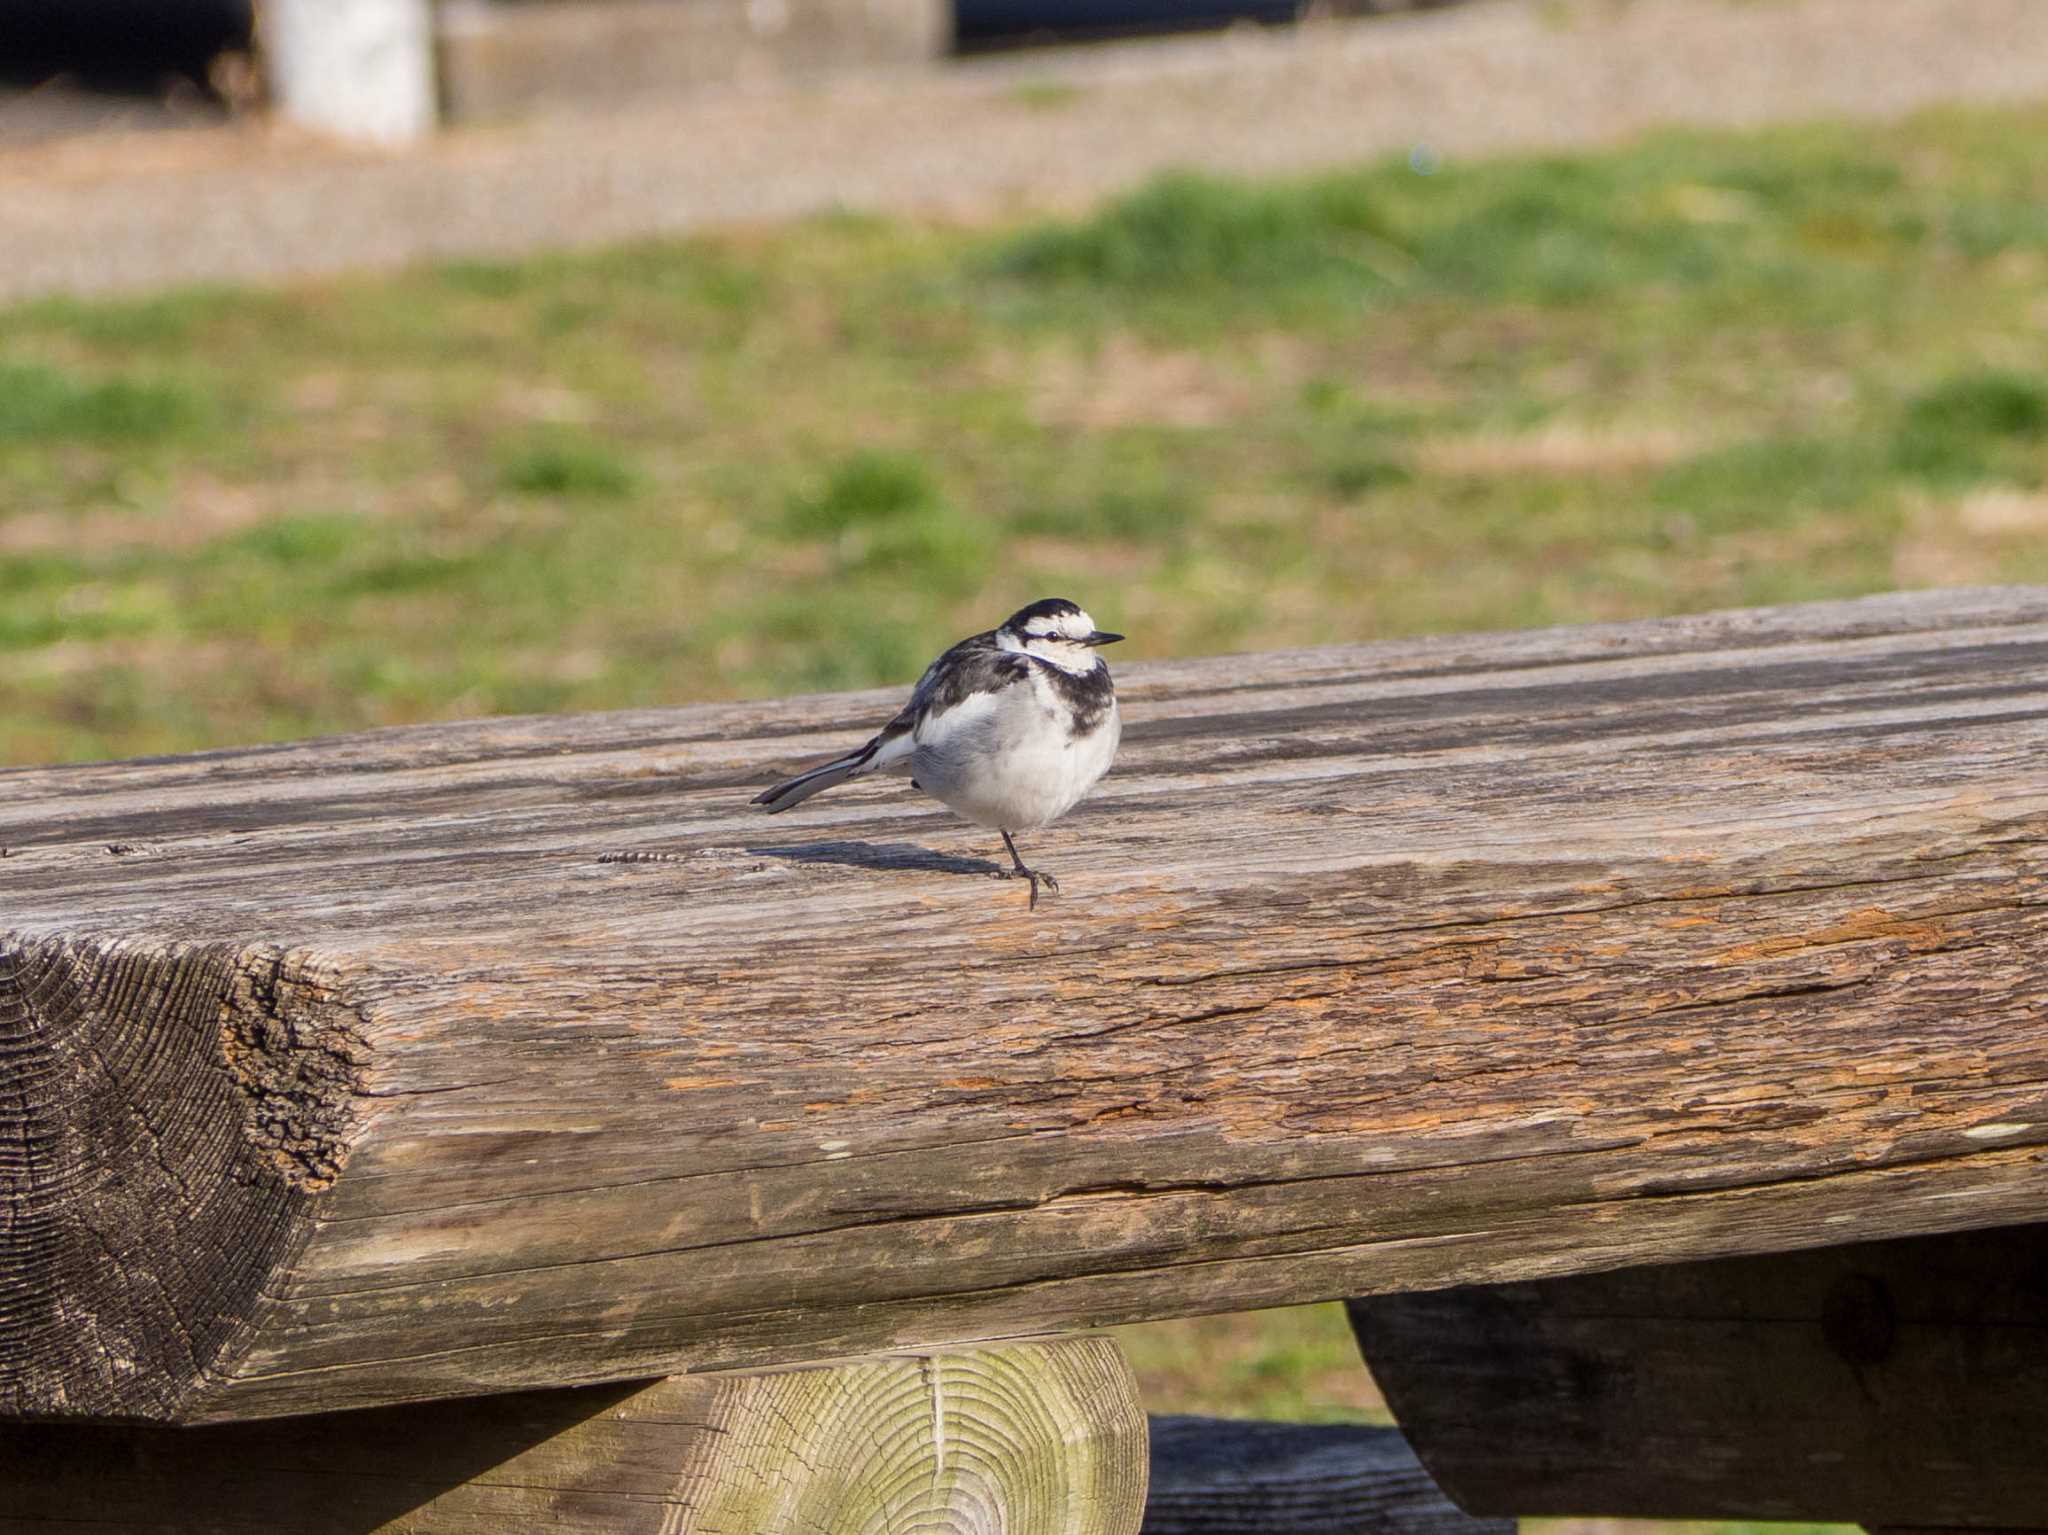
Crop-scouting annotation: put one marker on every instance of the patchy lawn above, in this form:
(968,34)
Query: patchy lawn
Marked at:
(1698,371)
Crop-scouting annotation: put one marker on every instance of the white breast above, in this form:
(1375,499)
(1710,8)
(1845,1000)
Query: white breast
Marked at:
(1011,760)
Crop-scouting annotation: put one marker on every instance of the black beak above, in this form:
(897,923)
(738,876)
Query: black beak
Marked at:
(1102,637)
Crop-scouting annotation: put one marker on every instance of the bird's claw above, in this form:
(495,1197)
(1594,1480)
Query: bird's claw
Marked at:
(1036,876)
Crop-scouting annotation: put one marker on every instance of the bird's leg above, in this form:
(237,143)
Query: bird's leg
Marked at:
(1036,876)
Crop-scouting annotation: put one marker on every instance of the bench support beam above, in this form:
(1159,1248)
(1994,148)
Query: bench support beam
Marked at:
(1034,1439)
(1900,1383)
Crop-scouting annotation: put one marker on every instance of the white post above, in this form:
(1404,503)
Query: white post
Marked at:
(359,69)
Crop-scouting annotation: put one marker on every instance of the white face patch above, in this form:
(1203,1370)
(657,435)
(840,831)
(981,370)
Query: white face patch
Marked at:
(1067,627)
(1058,641)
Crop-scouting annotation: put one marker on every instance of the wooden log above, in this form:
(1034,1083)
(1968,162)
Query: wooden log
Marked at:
(376,1069)
(1222,1476)
(1896,1383)
(1028,1439)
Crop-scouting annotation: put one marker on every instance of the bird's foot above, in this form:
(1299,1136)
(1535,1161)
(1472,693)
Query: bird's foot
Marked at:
(1018,871)
(1036,876)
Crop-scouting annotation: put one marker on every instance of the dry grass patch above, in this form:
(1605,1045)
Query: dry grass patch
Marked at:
(1559,448)
(2004,512)
(1124,382)
(199,508)
(1973,540)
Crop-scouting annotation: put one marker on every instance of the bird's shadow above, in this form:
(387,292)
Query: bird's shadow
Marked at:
(880,855)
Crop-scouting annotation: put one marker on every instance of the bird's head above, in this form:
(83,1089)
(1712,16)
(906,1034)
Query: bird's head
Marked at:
(1055,630)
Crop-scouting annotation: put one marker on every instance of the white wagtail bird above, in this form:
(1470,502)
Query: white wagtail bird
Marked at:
(1009,728)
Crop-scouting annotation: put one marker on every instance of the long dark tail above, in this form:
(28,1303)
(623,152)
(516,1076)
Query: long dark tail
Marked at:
(818,779)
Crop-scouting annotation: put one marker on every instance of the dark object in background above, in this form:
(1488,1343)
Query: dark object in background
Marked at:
(119,45)
(986,24)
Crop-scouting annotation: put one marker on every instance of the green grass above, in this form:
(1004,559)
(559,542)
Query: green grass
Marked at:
(1987,424)
(556,465)
(1298,1363)
(40,402)
(1701,370)
(1046,95)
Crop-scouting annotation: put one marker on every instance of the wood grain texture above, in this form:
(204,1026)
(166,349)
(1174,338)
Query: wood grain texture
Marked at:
(1025,1439)
(1221,1476)
(1447,961)
(1900,1383)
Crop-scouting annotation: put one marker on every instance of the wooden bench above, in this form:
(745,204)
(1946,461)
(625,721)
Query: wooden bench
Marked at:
(1582,1002)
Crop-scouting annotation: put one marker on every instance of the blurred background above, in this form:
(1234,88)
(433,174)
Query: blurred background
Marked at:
(374,361)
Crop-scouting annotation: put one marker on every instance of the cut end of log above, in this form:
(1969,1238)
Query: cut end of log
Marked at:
(162,1103)
(1019,1437)
(295,1052)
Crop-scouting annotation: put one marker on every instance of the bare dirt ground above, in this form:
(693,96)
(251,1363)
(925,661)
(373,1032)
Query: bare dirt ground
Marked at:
(132,210)
(61,109)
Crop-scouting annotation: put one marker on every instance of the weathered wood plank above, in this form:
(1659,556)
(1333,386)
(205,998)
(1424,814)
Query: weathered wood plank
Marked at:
(1221,1476)
(1400,966)
(1900,1383)
(1027,1439)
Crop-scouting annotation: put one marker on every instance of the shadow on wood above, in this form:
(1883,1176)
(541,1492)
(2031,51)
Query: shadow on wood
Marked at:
(1028,1439)
(1895,1383)
(880,855)
(347,1474)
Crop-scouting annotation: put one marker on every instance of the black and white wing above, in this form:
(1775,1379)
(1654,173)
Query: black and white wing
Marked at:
(975,665)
